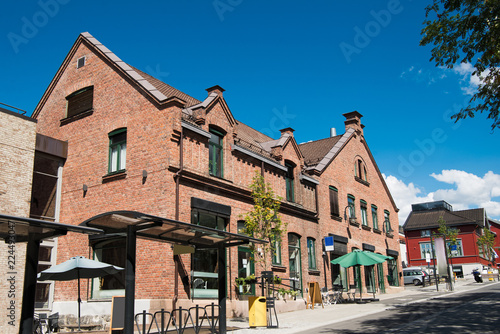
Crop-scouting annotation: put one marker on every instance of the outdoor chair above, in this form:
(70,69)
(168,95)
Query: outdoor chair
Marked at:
(325,295)
(351,293)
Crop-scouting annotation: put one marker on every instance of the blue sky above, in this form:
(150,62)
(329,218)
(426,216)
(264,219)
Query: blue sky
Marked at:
(285,63)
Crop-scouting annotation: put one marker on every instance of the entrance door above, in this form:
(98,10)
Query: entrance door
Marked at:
(245,268)
(380,274)
(294,261)
(370,279)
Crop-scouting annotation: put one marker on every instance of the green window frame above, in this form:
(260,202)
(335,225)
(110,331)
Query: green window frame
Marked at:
(334,201)
(364,215)
(216,157)
(374,217)
(352,206)
(311,252)
(290,195)
(276,258)
(117,150)
(387,222)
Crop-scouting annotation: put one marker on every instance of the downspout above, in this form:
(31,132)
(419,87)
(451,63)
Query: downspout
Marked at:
(177,177)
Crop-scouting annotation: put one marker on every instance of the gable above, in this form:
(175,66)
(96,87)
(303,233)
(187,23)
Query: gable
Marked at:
(158,92)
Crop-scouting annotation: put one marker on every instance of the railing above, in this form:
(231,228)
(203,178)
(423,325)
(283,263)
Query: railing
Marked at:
(17,110)
(180,320)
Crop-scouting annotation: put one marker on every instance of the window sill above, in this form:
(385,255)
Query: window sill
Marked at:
(390,235)
(76,117)
(353,222)
(366,227)
(376,230)
(314,272)
(114,177)
(366,183)
(277,267)
(337,218)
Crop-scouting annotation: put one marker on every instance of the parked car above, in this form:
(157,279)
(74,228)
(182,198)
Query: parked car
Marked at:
(413,276)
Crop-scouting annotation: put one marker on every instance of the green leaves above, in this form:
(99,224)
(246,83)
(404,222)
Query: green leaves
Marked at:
(264,221)
(466,31)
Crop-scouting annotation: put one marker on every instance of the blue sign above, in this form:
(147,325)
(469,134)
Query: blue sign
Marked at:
(329,244)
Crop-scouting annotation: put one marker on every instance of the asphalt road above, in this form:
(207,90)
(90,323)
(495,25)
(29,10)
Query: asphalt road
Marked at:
(469,312)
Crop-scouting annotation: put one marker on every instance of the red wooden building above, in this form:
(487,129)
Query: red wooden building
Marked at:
(423,222)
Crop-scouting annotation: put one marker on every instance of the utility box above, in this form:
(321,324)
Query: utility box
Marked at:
(257,312)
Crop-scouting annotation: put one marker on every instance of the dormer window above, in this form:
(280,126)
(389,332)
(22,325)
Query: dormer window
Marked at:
(215,157)
(80,101)
(290,196)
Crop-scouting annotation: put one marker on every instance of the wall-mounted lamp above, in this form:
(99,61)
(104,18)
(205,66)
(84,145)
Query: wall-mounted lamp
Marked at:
(85,188)
(389,230)
(345,213)
(144,176)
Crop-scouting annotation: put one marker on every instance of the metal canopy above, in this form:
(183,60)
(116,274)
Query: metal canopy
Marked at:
(19,229)
(166,230)
(37,229)
(140,225)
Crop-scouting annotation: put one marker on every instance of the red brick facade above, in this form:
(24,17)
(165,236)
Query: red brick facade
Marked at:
(155,128)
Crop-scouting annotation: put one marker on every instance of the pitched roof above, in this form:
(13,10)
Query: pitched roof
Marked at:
(167,90)
(419,220)
(315,151)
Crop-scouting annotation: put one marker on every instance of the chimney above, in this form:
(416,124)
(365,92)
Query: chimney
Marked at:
(353,120)
(287,131)
(215,89)
(333,132)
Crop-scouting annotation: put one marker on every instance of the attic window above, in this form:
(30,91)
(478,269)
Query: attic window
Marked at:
(80,101)
(80,62)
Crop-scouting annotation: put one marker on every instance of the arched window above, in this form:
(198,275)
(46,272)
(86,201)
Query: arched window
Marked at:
(360,169)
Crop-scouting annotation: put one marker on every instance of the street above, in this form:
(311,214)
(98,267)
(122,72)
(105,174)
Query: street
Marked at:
(470,312)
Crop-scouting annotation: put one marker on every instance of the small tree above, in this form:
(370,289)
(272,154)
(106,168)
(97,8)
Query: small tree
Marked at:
(264,221)
(450,235)
(486,241)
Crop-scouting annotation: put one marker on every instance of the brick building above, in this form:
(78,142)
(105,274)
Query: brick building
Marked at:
(136,143)
(17,153)
(423,222)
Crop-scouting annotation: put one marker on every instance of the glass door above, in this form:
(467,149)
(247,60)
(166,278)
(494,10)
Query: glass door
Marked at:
(294,261)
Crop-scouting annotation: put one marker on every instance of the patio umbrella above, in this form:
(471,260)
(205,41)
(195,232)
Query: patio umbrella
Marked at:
(360,258)
(75,268)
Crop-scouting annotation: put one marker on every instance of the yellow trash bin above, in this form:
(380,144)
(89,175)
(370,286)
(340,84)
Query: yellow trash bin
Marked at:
(257,313)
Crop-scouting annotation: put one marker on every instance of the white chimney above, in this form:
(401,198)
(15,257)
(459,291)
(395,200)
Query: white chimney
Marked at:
(333,132)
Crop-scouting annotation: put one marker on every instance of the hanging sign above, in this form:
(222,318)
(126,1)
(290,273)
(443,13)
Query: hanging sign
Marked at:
(329,247)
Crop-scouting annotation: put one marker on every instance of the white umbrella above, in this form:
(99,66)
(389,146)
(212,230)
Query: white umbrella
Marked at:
(75,268)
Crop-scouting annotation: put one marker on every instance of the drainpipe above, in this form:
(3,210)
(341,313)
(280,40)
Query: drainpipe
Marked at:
(177,187)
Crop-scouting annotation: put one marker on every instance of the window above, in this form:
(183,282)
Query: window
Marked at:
(80,62)
(204,260)
(294,260)
(277,253)
(352,206)
(425,233)
(290,196)
(311,252)
(425,248)
(374,217)
(246,265)
(45,289)
(334,201)
(117,150)
(215,153)
(360,170)
(453,250)
(112,252)
(80,101)
(387,222)
(364,215)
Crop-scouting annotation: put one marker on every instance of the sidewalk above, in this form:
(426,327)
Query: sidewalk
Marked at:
(297,321)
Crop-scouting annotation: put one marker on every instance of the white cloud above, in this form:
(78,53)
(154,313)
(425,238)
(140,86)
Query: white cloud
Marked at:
(470,81)
(470,191)
(405,195)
